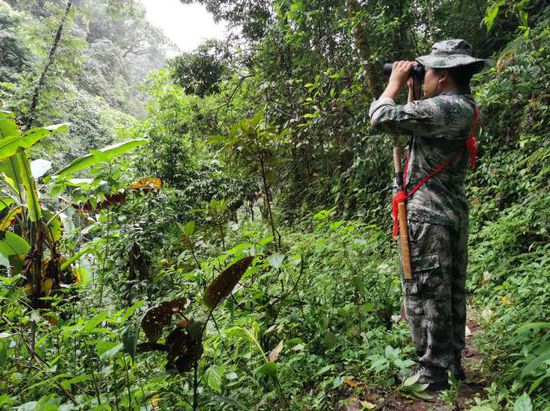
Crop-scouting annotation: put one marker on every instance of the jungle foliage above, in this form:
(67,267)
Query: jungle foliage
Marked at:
(213,231)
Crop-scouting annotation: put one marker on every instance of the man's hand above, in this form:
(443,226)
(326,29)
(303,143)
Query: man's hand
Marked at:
(401,71)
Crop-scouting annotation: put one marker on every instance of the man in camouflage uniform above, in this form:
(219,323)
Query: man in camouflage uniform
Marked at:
(437,212)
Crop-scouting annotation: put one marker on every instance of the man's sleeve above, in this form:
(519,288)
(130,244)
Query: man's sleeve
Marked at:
(424,118)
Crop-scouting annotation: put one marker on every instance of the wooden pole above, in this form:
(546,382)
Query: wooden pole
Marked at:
(402,217)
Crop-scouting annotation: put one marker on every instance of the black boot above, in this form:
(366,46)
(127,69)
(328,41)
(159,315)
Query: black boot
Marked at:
(457,370)
(436,378)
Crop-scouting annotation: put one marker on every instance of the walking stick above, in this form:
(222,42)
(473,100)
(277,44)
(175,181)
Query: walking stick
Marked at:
(401,196)
(402,216)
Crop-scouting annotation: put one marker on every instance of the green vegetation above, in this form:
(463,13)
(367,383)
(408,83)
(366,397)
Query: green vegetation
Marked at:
(213,231)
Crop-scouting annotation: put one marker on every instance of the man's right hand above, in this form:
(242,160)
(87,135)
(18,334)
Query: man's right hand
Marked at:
(401,71)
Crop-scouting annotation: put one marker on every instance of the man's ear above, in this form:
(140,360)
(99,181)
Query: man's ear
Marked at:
(443,76)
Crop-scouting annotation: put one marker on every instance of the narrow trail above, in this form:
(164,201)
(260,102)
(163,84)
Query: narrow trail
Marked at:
(374,398)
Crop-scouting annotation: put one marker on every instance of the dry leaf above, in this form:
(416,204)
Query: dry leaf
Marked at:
(275,352)
(158,317)
(146,183)
(225,282)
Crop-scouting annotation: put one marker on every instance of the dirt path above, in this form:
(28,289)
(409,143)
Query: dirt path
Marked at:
(448,400)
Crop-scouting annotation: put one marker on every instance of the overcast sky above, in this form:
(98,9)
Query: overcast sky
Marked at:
(186,25)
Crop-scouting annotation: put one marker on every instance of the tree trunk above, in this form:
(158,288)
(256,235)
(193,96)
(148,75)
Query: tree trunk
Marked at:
(36,93)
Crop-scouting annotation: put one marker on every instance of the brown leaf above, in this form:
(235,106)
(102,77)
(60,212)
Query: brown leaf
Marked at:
(353,384)
(158,317)
(184,347)
(225,282)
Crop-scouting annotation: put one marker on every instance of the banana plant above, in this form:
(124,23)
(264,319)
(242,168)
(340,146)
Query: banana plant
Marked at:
(31,233)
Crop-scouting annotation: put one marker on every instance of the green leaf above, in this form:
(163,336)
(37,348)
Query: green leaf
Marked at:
(55,226)
(24,167)
(12,244)
(130,339)
(276,260)
(491,15)
(189,228)
(5,202)
(411,380)
(532,326)
(11,145)
(102,155)
(3,355)
(8,126)
(4,261)
(523,403)
(213,377)
(67,384)
(84,251)
(112,351)
(268,369)
(533,365)
(10,170)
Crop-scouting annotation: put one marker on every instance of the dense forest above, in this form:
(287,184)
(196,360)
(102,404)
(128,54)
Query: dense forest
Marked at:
(213,230)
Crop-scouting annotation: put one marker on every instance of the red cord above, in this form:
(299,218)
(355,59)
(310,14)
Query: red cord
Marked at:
(471,146)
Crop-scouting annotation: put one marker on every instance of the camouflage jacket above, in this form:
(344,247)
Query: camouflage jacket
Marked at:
(439,127)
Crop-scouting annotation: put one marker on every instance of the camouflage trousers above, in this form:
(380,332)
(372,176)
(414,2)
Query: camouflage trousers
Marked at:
(435,298)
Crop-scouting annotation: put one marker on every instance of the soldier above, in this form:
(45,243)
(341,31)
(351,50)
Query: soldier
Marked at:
(442,128)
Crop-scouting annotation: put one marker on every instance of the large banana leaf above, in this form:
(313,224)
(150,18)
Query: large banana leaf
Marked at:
(5,202)
(10,145)
(9,170)
(102,155)
(17,173)
(12,244)
(24,165)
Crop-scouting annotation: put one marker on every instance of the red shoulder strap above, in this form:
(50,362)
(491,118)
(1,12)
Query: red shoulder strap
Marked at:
(471,146)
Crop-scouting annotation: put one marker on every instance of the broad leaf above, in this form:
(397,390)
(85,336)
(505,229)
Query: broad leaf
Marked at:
(411,380)
(269,369)
(12,244)
(157,318)
(130,338)
(8,126)
(213,377)
(276,260)
(10,145)
(24,169)
(523,403)
(102,155)
(189,228)
(10,171)
(5,202)
(225,282)
(534,364)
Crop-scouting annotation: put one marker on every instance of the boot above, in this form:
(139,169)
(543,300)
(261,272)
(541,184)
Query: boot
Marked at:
(436,378)
(457,369)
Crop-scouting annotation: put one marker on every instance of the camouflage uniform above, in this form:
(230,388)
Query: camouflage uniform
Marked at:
(437,216)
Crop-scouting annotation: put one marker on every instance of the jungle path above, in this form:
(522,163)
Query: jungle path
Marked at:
(375,398)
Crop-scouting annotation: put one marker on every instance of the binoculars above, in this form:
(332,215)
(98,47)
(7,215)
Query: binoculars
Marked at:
(417,71)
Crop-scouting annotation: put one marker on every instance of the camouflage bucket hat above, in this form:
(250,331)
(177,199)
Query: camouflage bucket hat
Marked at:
(450,53)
